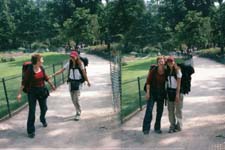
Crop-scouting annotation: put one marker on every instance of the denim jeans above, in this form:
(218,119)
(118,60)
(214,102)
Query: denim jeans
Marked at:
(33,97)
(148,114)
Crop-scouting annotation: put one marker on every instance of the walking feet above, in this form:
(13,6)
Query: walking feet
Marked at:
(146,132)
(44,124)
(77,117)
(158,131)
(171,130)
(31,135)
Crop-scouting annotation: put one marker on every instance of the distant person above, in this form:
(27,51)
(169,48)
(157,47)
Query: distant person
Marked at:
(155,92)
(34,84)
(175,97)
(76,76)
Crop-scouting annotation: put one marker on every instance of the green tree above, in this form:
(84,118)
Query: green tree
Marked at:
(121,16)
(7,26)
(81,27)
(218,22)
(194,30)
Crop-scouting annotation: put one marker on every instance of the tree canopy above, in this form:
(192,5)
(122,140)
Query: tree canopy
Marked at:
(136,24)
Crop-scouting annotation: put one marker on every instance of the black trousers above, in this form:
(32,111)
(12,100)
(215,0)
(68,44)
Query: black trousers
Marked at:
(148,114)
(33,97)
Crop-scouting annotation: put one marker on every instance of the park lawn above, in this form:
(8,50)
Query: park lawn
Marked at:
(12,75)
(137,68)
(15,67)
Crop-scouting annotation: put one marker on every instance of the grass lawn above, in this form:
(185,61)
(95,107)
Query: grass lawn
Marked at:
(14,67)
(11,72)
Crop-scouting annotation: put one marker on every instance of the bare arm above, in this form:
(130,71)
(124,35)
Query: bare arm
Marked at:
(52,85)
(85,77)
(19,93)
(57,72)
(147,96)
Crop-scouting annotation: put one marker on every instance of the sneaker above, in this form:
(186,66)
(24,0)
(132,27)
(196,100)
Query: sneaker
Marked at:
(146,132)
(44,124)
(178,128)
(171,131)
(31,135)
(77,117)
(158,131)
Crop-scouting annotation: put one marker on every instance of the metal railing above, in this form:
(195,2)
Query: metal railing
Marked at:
(9,87)
(115,72)
(133,97)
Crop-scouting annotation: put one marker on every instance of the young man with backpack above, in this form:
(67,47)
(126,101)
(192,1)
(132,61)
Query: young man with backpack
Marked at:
(155,92)
(76,76)
(33,83)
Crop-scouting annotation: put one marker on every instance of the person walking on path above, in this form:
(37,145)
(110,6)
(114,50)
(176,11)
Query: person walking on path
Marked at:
(76,75)
(35,78)
(155,92)
(175,97)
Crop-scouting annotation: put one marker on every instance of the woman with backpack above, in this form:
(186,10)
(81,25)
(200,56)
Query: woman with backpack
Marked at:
(33,84)
(175,97)
(155,93)
(76,76)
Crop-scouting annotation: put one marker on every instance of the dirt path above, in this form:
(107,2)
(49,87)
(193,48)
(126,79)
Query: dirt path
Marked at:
(94,130)
(204,113)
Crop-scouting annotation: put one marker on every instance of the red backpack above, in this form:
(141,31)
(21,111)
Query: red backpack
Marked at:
(27,66)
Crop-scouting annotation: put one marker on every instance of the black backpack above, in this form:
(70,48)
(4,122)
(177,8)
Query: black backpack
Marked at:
(84,60)
(187,71)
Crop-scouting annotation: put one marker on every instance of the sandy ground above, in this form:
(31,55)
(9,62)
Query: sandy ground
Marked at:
(204,114)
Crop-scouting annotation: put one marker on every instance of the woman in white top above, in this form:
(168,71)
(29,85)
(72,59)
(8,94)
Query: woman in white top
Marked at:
(175,98)
(76,76)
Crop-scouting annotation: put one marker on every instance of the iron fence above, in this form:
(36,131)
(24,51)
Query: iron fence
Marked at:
(133,97)
(115,72)
(10,85)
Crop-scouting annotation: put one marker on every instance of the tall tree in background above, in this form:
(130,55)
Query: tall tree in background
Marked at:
(122,14)
(7,26)
(81,27)
(194,30)
(203,6)
(219,28)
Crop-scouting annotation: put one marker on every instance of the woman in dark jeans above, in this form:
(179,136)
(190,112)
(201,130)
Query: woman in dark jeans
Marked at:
(35,78)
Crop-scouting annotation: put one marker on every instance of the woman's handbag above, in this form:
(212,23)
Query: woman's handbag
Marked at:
(74,85)
(42,92)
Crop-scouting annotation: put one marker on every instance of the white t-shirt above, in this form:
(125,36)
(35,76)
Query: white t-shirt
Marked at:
(172,82)
(74,73)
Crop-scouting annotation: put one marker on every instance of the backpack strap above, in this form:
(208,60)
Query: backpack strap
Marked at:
(76,67)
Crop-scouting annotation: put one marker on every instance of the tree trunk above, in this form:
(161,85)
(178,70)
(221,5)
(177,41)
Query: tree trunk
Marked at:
(222,48)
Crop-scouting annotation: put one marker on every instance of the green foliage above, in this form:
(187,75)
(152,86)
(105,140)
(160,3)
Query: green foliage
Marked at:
(194,30)
(82,27)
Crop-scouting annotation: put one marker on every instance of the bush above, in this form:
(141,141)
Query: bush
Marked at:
(6,59)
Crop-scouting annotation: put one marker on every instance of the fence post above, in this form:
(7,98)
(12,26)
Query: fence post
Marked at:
(53,66)
(62,73)
(6,96)
(139,91)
